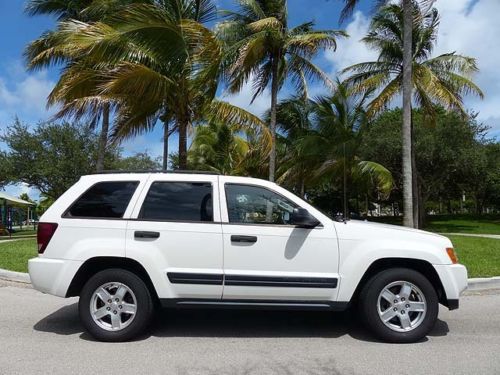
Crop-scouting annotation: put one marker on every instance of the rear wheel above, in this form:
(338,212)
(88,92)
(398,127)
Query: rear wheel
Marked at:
(115,305)
(399,305)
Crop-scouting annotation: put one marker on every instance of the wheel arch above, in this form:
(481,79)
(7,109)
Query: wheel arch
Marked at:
(96,264)
(419,265)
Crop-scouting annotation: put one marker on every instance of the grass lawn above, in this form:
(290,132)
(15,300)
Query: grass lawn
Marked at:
(485,224)
(17,233)
(14,255)
(481,256)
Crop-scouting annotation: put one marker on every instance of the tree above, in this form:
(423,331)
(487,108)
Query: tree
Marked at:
(262,48)
(319,147)
(340,122)
(156,61)
(216,147)
(140,161)
(439,80)
(82,10)
(451,156)
(51,157)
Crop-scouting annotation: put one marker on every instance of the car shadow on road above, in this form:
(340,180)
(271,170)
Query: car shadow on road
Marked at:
(232,323)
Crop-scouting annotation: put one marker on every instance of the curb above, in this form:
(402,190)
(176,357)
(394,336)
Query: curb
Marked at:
(481,283)
(18,277)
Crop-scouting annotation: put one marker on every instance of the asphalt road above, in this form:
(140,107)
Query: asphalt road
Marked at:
(41,334)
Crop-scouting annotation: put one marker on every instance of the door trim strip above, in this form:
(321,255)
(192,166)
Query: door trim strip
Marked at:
(252,280)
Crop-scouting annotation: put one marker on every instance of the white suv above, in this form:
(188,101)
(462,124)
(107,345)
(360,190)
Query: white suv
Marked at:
(128,242)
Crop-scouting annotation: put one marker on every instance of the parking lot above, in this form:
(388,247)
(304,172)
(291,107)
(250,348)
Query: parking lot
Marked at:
(41,334)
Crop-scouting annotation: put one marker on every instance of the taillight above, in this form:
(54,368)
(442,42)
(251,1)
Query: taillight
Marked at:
(44,234)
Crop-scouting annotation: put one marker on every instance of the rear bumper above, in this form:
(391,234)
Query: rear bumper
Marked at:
(52,276)
(454,280)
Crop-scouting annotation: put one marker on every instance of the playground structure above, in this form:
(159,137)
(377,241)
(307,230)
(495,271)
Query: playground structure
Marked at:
(12,208)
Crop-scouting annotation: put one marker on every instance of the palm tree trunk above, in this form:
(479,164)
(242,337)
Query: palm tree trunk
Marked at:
(103,138)
(415,187)
(272,124)
(183,124)
(165,145)
(406,132)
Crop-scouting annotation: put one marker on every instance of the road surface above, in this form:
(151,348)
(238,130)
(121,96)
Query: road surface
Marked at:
(41,334)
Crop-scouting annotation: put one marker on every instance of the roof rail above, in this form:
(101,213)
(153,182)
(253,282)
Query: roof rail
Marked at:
(158,171)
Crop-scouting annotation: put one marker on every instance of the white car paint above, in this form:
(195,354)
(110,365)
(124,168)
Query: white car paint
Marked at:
(343,251)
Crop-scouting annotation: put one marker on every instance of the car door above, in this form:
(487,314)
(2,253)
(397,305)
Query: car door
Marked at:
(175,230)
(267,258)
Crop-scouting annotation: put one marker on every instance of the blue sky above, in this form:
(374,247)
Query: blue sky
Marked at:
(468,27)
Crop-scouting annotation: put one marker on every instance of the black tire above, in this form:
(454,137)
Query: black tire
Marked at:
(368,303)
(144,305)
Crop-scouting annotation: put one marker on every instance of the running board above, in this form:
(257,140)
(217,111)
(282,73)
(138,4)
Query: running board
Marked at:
(252,304)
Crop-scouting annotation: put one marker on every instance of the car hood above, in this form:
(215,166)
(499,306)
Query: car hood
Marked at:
(357,229)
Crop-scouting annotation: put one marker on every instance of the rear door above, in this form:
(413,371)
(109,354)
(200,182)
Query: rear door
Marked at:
(267,258)
(175,229)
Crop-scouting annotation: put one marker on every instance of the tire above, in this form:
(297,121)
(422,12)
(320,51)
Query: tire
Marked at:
(126,316)
(407,319)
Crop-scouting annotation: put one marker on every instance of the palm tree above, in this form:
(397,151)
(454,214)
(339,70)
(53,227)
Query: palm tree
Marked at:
(406,40)
(82,10)
(262,48)
(294,121)
(155,60)
(439,80)
(327,134)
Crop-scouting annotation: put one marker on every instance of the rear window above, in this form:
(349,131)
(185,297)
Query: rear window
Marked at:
(104,200)
(178,201)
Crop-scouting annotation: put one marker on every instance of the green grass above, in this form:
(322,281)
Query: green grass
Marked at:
(14,255)
(19,233)
(485,224)
(481,256)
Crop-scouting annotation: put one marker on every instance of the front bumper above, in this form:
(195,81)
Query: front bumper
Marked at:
(52,276)
(454,280)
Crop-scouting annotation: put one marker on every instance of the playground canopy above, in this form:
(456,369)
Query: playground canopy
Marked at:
(7,205)
(13,201)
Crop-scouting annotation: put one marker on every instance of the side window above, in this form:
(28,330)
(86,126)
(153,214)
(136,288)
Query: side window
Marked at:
(257,205)
(178,201)
(103,200)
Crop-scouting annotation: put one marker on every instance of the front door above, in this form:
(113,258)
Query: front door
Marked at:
(267,258)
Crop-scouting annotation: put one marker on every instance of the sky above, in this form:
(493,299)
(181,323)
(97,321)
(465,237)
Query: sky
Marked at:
(468,27)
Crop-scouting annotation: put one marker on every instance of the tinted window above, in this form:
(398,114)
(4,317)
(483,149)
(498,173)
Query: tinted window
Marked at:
(256,205)
(104,199)
(178,201)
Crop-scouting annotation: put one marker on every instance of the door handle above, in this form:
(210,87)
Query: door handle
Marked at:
(246,239)
(146,234)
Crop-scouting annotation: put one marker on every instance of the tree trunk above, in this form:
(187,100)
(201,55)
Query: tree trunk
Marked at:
(302,187)
(415,187)
(103,138)
(165,145)
(272,124)
(406,131)
(344,188)
(183,124)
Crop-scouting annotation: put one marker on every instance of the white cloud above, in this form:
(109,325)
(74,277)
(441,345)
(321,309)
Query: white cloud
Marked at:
(468,27)
(24,95)
(351,50)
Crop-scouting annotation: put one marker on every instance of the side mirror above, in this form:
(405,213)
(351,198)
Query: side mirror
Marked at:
(303,219)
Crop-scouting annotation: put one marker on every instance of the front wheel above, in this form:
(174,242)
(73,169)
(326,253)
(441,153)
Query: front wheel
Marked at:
(115,305)
(399,305)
